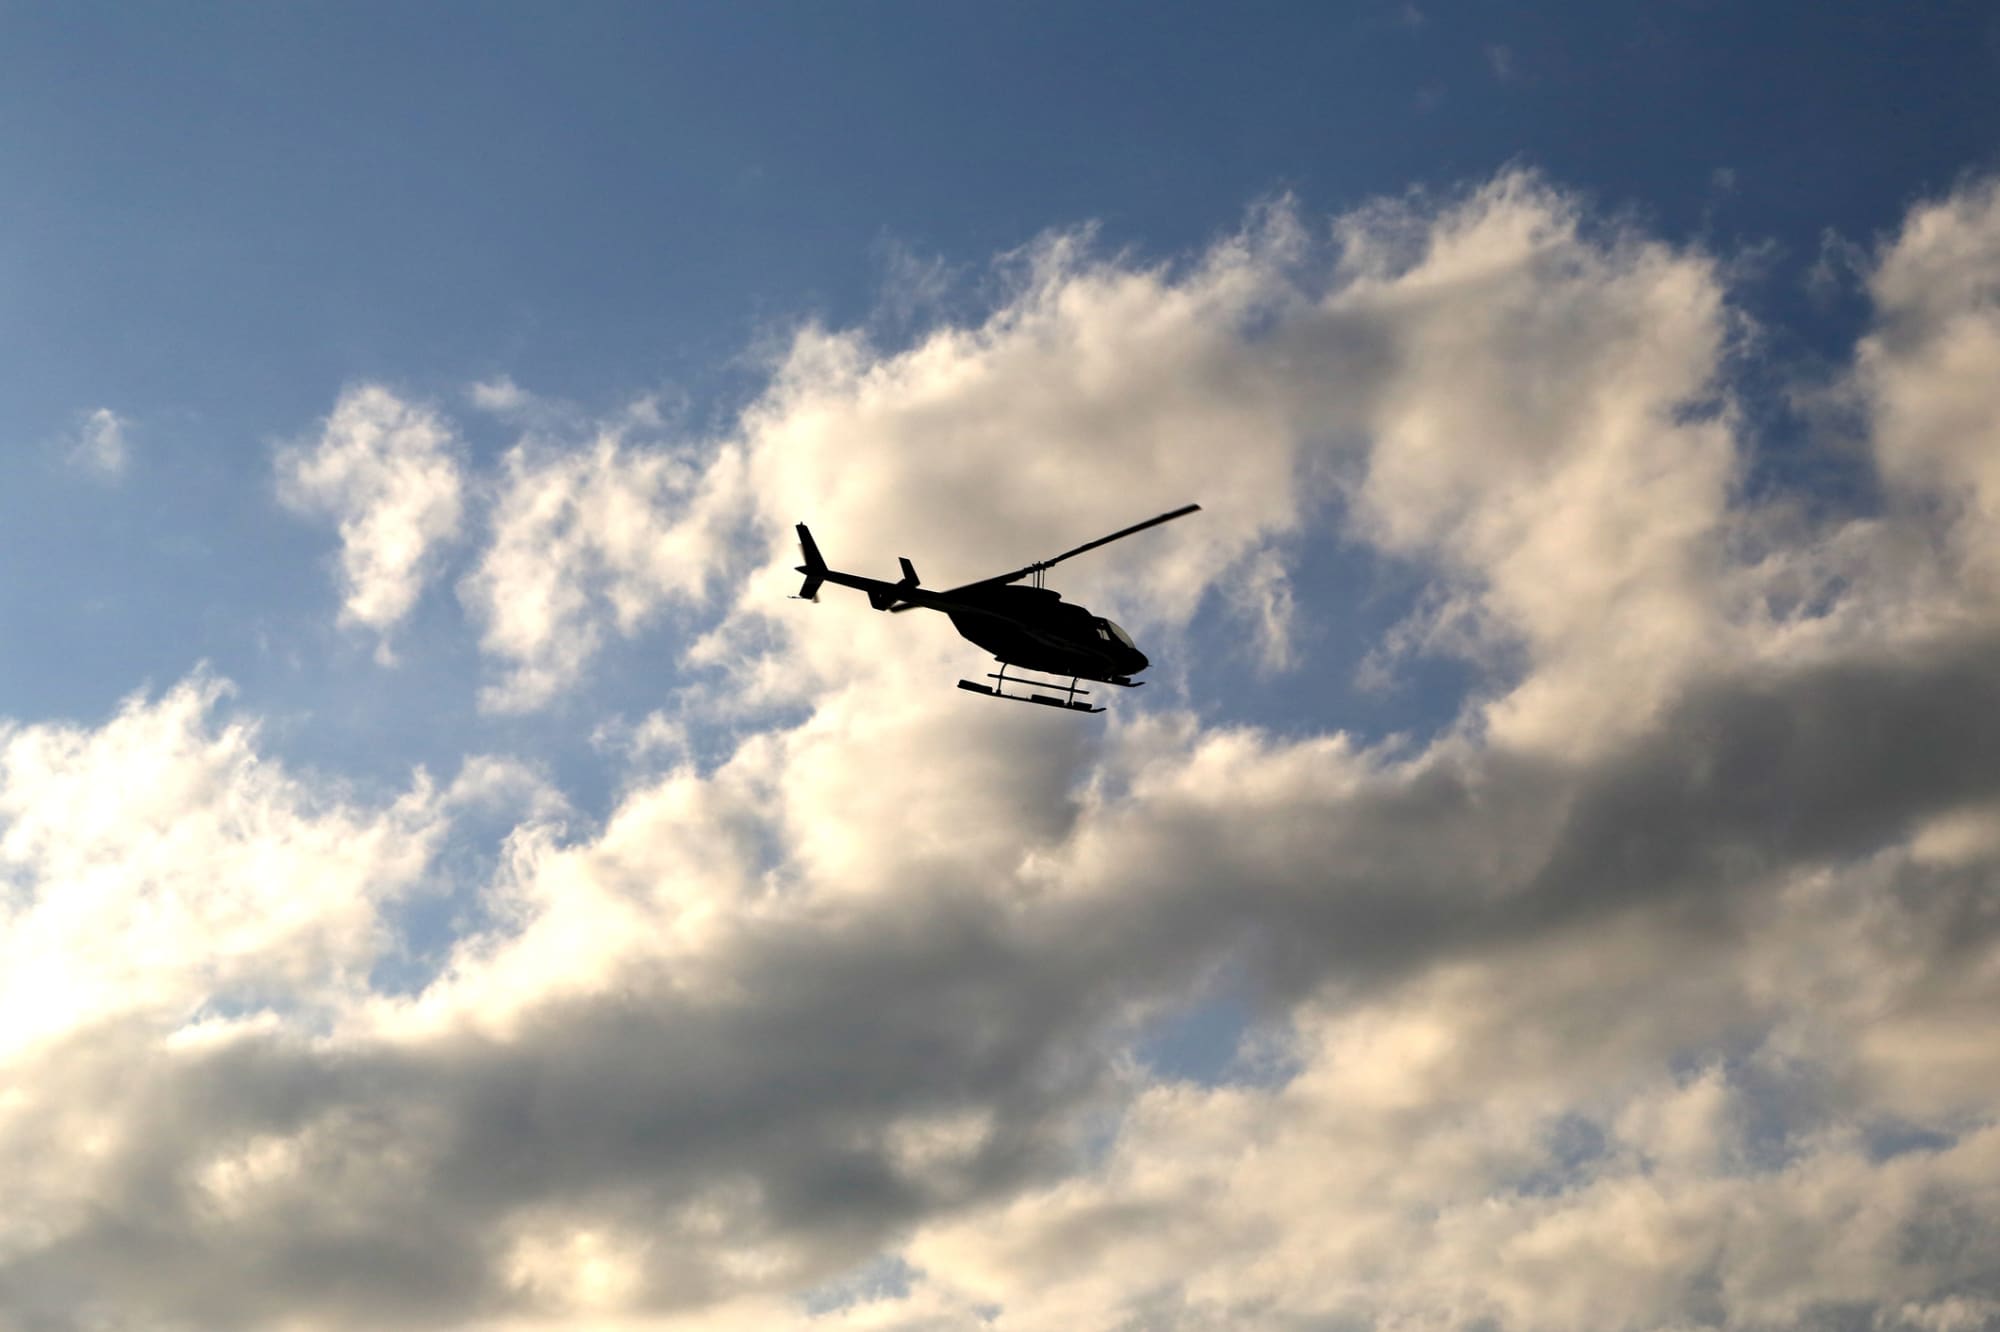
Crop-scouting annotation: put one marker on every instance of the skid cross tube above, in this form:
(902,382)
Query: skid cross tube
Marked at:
(1068,701)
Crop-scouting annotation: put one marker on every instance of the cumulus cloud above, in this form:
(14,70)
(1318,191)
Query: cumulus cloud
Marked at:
(166,890)
(155,867)
(387,471)
(1655,993)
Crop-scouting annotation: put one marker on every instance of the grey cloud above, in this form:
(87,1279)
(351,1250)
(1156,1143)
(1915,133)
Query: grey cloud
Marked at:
(1747,778)
(631,1103)
(636,1100)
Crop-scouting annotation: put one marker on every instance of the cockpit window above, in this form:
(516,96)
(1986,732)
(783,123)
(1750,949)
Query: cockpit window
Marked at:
(1120,634)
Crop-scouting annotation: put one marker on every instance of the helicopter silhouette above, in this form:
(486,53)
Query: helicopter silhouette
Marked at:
(1031,627)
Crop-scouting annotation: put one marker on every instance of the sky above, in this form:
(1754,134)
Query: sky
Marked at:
(1547,883)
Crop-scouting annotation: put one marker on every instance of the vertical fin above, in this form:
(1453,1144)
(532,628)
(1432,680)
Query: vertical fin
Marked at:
(814,568)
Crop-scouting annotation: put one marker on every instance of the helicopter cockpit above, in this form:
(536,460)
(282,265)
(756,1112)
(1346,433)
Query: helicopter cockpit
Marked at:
(1110,630)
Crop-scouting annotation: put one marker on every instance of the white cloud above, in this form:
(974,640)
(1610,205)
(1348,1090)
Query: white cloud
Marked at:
(100,445)
(1656,995)
(388,472)
(165,892)
(1580,509)
(156,867)
(611,531)
(1925,375)
(500,396)
(1574,520)
(1575,515)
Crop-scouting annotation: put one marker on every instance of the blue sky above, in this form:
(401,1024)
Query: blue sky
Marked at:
(218,218)
(1593,412)
(216,222)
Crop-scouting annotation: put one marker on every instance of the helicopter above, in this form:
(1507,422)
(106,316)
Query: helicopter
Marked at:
(1030,627)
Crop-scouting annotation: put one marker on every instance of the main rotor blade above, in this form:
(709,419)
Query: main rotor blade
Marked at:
(1181,512)
(1040,565)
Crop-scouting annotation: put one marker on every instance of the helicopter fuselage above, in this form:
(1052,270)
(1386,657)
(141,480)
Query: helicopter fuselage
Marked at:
(1035,628)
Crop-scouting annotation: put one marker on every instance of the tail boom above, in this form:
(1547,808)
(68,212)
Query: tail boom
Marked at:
(882,595)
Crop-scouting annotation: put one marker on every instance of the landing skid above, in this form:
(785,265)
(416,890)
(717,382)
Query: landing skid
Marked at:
(1067,701)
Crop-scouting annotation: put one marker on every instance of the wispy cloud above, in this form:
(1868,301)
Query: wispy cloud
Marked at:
(500,395)
(601,537)
(388,473)
(100,444)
